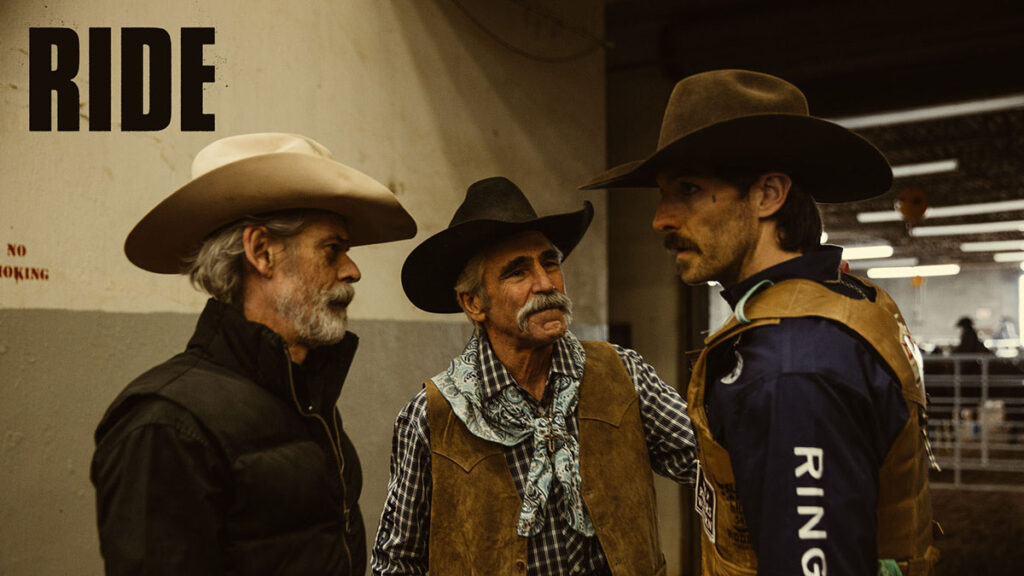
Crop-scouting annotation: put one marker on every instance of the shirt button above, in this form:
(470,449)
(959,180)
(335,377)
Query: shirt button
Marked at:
(520,565)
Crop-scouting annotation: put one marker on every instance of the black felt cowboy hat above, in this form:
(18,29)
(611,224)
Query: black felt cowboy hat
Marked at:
(743,119)
(494,209)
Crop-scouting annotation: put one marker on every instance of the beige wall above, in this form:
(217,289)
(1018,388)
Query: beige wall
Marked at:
(408,91)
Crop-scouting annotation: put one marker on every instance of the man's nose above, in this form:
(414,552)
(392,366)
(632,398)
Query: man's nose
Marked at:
(665,218)
(543,282)
(348,271)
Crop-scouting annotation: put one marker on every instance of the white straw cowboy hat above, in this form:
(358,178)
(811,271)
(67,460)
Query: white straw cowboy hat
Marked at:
(494,209)
(252,174)
(743,119)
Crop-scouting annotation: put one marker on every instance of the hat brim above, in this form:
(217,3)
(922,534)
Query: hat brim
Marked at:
(261,184)
(836,164)
(432,268)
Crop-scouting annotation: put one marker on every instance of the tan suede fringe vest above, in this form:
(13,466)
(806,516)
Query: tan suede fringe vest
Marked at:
(904,502)
(475,506)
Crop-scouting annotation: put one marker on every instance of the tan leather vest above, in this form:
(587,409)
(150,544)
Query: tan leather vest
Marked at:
(904,503)
(475,506)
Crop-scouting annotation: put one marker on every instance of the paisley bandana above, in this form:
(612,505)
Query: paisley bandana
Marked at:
(506,418)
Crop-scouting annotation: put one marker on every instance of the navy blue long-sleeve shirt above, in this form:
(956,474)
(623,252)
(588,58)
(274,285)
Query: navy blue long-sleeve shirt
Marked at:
(805,387)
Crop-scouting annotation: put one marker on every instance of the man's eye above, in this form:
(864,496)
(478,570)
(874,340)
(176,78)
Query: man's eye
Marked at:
(688,189)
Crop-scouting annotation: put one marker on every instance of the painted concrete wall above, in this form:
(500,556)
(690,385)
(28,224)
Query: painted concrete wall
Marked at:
(643,284)
(411,92)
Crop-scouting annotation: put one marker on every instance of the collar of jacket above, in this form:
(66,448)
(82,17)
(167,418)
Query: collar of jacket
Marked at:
(224,336)
(820,265)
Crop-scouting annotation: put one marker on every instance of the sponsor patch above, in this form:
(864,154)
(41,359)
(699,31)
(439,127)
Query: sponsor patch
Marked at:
(733,376)
(704,503)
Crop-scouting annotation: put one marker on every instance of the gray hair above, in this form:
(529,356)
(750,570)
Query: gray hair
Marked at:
(217,266)
(471,281)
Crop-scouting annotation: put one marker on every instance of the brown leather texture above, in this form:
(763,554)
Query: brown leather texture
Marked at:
(904,500)
(475,505)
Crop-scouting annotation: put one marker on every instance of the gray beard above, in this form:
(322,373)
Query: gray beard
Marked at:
(318,319)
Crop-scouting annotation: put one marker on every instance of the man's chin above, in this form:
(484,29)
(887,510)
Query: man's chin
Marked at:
(547,331)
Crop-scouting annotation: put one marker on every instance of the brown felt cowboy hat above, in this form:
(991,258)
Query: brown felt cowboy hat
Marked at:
(252,174)
(494,209)
(743,119)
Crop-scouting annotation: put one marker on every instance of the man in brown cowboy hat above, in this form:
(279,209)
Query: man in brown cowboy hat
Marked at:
(230,458)
(808,403)
(532,453)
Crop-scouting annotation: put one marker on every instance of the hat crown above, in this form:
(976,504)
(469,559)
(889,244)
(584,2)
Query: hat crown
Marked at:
(234,148)
(718,96)
(496,198)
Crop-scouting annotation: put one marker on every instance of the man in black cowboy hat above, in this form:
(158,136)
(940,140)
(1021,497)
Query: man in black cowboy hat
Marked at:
(532,453)
(231,458)
(808,403)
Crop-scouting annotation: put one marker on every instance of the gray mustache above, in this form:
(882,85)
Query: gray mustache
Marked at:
(541,302)
(340,295)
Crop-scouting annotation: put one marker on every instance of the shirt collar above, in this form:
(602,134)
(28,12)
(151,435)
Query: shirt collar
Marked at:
(819,265)
(494,377)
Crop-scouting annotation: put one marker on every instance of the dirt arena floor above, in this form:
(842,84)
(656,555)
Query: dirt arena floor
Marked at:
(984,532)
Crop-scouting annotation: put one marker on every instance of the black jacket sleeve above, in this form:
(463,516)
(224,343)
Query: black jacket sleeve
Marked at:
(160,494)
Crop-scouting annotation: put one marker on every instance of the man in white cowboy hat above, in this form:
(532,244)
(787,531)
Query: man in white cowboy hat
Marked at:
(230,458)
(532,453)
(808,403)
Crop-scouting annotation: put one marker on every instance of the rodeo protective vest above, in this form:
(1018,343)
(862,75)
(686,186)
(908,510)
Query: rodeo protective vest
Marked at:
(904,502)
(475,504)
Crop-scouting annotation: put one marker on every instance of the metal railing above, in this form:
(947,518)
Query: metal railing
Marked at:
(976,420)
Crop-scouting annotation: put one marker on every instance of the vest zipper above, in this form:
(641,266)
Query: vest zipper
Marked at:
(335,449)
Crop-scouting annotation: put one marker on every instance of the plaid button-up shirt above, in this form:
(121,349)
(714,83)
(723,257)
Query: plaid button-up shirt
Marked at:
(402,543)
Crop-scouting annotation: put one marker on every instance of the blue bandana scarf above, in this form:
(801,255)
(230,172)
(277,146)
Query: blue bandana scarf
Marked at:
(506,418)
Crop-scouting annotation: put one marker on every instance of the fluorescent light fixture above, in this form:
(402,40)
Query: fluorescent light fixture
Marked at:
(911,271)
(882,262)
(1008,256)
(863,252)
(935,167)
(883,216)
(992,246)
(945,211)
(978,228)
(932,112)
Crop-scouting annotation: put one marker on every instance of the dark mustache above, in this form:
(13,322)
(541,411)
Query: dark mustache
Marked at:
(676,242)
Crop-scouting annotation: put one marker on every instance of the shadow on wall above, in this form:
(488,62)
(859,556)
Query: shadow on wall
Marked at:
(482,108)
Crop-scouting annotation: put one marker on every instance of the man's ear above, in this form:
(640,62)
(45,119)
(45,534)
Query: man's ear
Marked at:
(774,188)
(473,305)
(257,242)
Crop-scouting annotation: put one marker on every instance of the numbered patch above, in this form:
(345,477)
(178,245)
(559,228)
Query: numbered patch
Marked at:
(704,503)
